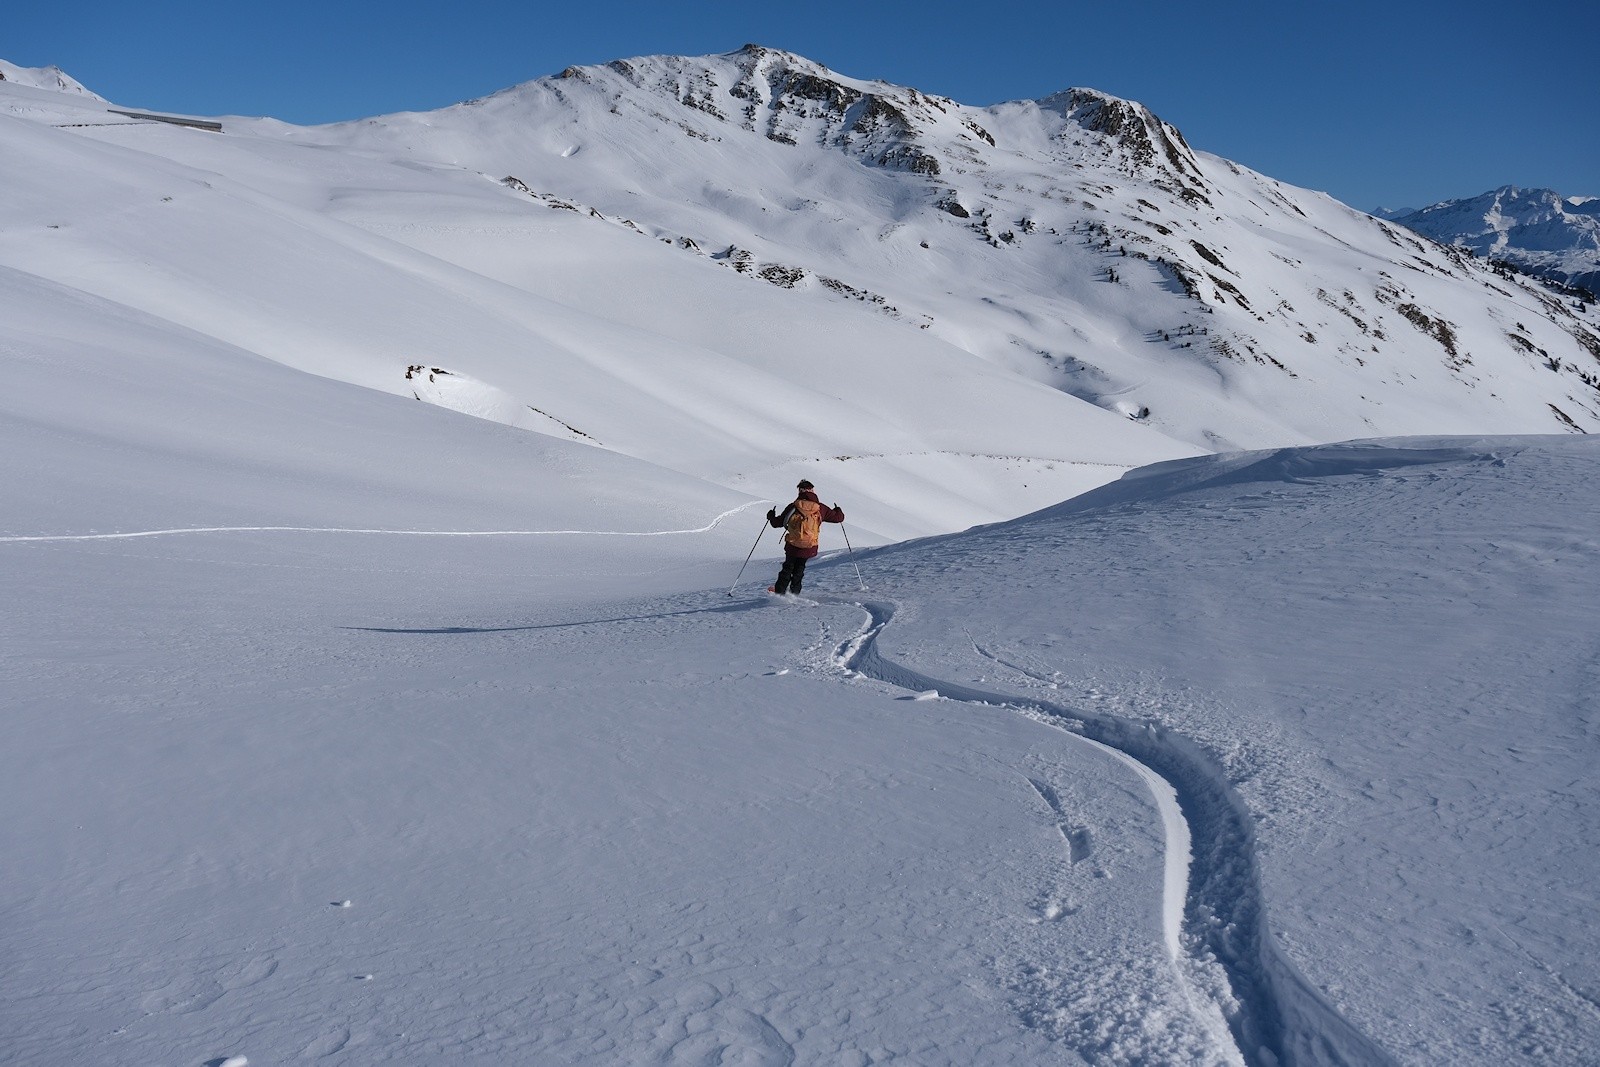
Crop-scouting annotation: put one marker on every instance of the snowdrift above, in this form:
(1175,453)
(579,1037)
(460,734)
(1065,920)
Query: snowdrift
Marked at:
(1371,652)
(1281,755)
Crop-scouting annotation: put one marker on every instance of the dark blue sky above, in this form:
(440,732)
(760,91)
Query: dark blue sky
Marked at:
(1396,104)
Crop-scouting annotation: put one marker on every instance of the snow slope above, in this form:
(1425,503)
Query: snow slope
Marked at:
(116,423)
(249,678)
(601,337)
(1378,653)
(1077,240)
(289,794)
(748,269)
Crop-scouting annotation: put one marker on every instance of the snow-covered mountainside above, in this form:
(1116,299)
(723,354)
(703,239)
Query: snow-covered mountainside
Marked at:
(746,268)
(431,282)
(1077,240)
(1280,758)
(1538,230)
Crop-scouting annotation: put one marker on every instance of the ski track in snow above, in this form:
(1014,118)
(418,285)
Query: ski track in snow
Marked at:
(1213,905)
(712,525)
(1213,908)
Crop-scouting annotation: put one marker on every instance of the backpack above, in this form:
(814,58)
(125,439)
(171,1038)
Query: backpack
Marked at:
(804,527)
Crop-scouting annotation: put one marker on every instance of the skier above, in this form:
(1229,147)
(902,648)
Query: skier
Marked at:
(802,525)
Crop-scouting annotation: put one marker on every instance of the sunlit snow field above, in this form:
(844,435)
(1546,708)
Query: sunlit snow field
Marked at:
(340,723)
(585,806)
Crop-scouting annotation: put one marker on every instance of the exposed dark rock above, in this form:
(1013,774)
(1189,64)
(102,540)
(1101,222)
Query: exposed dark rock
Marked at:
(831,93)
(1567,420)
(982,134)
(1209,256)
(1438,329)
(781,276)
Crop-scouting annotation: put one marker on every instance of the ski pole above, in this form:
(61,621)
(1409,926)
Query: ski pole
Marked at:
(746,563)
(853,562)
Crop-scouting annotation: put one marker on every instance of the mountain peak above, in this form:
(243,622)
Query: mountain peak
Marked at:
(760,52)
(793,100)
(788,99)
(1146,145)
(50,78)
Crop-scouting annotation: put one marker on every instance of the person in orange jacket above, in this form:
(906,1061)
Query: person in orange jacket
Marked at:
(802,525)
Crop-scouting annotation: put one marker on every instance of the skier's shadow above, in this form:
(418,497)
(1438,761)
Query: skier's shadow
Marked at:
(719,609)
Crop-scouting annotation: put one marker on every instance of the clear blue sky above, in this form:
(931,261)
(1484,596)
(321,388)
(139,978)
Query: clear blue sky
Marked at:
(1396,104)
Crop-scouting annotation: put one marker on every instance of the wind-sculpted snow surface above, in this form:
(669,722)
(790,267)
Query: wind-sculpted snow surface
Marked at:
(1378,654)
(464,802)
(1215,916)
(1278,757)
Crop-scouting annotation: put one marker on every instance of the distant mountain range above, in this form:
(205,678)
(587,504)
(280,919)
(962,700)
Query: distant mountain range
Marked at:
(1536,230)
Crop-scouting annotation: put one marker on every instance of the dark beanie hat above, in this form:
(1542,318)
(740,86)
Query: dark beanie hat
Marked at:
(805,485)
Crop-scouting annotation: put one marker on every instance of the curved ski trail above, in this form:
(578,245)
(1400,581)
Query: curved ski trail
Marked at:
(1213,902)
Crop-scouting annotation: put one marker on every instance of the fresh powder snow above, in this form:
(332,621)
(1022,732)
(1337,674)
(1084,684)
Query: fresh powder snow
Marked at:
(540,799)
(374,689)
